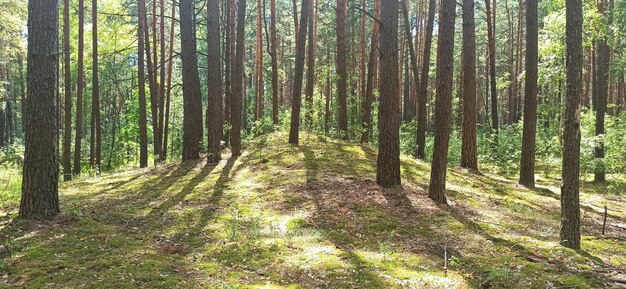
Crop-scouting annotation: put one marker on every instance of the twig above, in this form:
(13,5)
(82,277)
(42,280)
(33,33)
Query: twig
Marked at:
(604,222)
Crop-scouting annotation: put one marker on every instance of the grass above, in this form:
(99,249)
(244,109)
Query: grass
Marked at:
(307,216)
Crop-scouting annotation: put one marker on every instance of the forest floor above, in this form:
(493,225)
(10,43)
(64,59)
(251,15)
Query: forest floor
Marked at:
(309,216)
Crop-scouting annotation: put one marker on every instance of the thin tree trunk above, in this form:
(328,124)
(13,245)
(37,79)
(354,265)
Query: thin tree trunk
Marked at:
(96,129)
(412,53)
(342,73)
(237,81)
(310,72)
(67,79)
(491,43)
(80,86)
(602,95)
(570,204)
(215,119)
(422,95)
(169,82)
(141,78)
(40,196)
(443,102)
(527,165)
(468,150)
(274,57)
(371,72)
(296,100)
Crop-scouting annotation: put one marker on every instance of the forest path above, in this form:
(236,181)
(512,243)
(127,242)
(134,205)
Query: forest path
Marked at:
(308,216)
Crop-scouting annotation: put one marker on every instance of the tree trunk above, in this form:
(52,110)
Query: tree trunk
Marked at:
(310,72)
(169,82)
(388,163)
(371,72)
(215,118)
(570,205)
(601,99)
(141,77)
(491,43)
(443,102)
(422,95)
(407,26)
(296,100)
(67,79)
(527,164)
(80,86)
(40,196)
(192,103)
(159,137)
(96,129)
(260,88)
(237,81)
(468,150)
(342,73)
(274,57)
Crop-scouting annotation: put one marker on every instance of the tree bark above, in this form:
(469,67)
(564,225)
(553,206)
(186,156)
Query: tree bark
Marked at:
(80,86)
(170,62)
(422,95)
(259,83)
(342,73)
(67,79)
(310,72)
(215,119)
(296,100)
(274,56)
(443,102)
(40,196)
(141,77)
(601,99)
(96,129)
(570,205)
(405,11)
(371,72)
(491,43)
(388,163)
(237,81)
(468,149)
(527,162)
(192,103)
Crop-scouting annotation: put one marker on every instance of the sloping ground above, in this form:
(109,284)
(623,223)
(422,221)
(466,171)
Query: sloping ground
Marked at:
(308,216)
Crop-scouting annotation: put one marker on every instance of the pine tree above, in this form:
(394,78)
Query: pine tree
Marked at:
(40,195)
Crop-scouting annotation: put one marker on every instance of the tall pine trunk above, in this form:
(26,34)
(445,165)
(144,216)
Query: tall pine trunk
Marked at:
(310,71)
(215,119)
(388,163)
(570,204)
(342,72)
(443,102)
(141,77)
(274,56)
(237,81)
(468,149)
(371,72)
(527,162)
(296,100)
(491,43)
(67,79)
(80,86)
(422,95)
(96,129)
(192,103)
(40,196)
(603,62)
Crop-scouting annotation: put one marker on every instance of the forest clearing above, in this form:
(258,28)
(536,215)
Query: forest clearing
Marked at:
(311,216)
